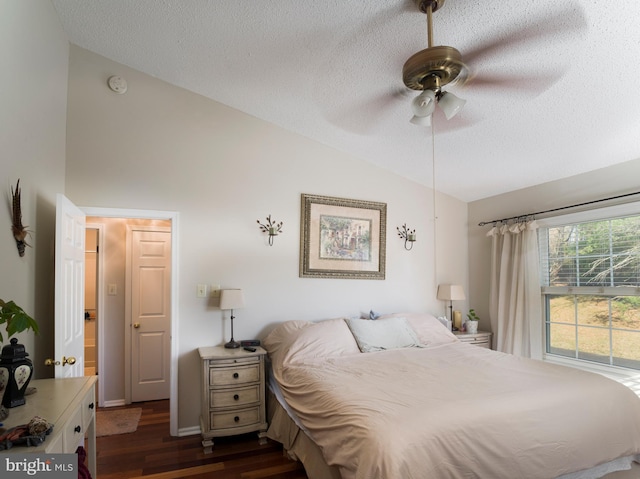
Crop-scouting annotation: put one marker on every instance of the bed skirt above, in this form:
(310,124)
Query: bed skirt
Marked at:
(295,442)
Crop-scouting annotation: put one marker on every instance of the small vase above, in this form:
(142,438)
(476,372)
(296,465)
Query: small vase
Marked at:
(17,369)
(472,327)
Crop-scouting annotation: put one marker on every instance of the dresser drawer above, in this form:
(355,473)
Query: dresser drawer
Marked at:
(73,434)
(237,418)
(234,397)
(88,408)
(234,375)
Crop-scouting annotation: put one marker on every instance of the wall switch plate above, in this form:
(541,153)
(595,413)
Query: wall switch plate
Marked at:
(112,289)
(215,290)
(201,291)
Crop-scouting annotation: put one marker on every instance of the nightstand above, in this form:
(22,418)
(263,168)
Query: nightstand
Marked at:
(233,393)
(481,338)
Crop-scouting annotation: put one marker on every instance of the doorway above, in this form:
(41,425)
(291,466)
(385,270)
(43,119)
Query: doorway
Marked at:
(91,268)
(113,332)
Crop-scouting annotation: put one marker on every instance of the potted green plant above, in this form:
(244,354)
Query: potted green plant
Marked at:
(15,319)
(472,322)
(15,368)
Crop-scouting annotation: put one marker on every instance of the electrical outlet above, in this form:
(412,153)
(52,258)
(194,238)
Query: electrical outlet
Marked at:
(201,291)
(215,290)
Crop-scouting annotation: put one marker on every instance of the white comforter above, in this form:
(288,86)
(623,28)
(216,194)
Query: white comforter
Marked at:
(453,410)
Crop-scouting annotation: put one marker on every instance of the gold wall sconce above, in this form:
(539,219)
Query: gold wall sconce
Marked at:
(408,235)
(271,228)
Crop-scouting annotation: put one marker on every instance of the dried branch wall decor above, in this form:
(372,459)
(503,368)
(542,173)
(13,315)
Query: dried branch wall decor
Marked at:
(408,235)
(19,231)
(271,227)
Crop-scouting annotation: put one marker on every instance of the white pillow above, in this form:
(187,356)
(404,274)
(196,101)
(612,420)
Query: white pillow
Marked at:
(428,328)
(381,334)
(303,341)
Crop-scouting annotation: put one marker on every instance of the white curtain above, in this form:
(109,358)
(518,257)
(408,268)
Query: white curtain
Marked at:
(515,299)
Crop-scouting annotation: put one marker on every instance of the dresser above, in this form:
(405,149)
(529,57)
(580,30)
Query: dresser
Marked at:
(233,393)
(68,404)
(481,338)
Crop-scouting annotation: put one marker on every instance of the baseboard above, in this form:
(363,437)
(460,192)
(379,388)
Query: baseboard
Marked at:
(117,402)
(188,431)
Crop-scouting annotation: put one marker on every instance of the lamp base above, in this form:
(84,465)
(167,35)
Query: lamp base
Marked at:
(232,344)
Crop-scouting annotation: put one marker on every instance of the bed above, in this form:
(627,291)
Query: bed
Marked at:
(402,397)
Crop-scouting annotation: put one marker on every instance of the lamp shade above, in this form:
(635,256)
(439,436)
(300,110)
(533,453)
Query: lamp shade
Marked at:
(451,292)
(421,120)
(231,299)
(424,103)
(450,104)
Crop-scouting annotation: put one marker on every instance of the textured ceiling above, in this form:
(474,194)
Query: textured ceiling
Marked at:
(332,71)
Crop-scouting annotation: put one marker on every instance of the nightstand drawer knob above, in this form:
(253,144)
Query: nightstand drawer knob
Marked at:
(236,419)
(236,375)
(236,397)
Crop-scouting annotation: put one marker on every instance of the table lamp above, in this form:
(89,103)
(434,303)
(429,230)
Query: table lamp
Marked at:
(231,299)
(451,293)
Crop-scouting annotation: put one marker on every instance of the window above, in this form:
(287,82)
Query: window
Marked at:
(591,288)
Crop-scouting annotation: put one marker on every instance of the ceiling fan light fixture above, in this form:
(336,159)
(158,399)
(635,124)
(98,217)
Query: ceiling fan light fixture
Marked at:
(421,120)
(450,104)
(423,106)
(424,103)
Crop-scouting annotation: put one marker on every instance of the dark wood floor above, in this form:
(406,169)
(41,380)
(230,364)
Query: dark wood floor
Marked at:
(152,453)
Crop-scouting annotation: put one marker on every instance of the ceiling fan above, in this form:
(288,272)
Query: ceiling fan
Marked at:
(435,67)
(431,69)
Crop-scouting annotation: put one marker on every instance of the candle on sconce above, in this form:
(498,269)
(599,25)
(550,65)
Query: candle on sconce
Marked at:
(457,320)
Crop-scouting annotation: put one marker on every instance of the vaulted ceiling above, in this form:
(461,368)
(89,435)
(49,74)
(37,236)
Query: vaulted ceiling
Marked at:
(563,98)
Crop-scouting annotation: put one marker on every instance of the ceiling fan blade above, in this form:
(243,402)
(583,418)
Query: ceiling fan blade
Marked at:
(362,116)
(534,83)
(570,19)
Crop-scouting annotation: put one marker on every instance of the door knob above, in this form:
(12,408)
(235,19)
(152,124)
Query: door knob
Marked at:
(65,360)
(68,360)
(136,325)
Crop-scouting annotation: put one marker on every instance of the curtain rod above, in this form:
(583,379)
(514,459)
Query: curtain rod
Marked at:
(483,223)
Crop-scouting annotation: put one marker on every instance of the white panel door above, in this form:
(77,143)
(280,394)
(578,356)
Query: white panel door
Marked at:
(69,289)
(150,315)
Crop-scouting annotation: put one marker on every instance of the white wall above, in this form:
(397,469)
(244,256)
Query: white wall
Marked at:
(33,95)
(163,148)
(604,183)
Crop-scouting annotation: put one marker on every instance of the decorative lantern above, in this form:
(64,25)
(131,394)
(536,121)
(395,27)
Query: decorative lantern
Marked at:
(17,370)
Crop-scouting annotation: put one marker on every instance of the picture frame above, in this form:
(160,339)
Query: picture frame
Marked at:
(342,238)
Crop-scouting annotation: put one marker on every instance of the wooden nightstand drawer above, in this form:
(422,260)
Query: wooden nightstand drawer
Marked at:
(482,344)
(235,418)
(481,338)
(218,363)
(234,397)
(234,375)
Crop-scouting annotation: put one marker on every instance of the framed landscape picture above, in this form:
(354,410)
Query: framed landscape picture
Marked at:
(342,238)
